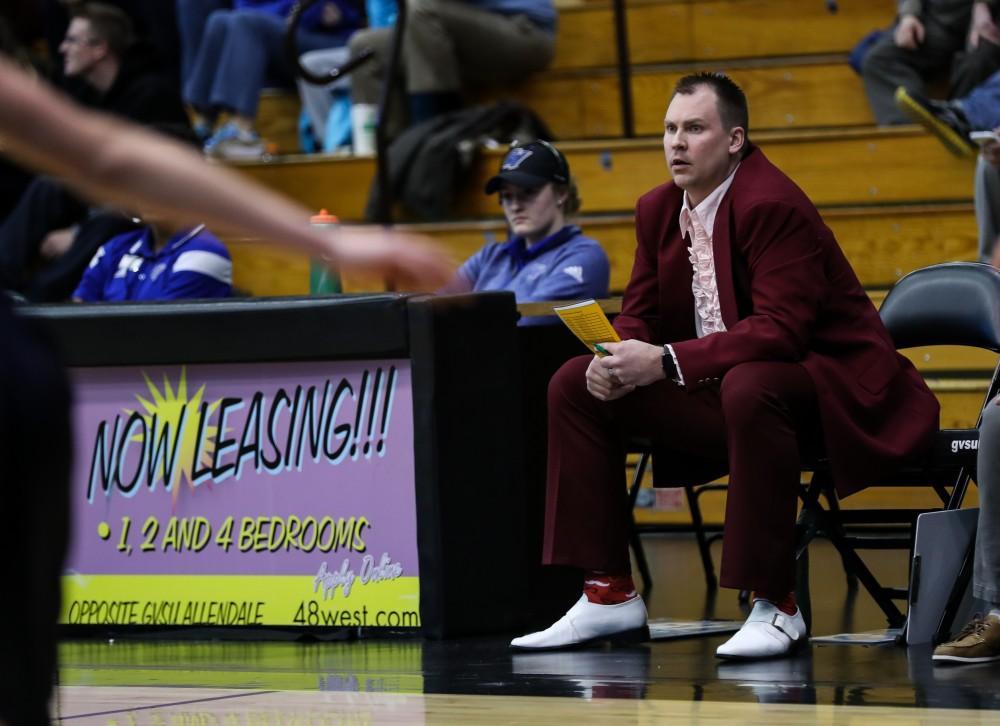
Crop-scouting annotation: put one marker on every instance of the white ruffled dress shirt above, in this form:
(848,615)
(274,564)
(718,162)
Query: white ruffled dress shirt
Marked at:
(697,225)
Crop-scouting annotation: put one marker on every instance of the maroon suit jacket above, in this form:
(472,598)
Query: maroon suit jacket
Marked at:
(786,293)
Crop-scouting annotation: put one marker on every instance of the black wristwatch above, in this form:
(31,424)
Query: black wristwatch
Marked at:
(669,367)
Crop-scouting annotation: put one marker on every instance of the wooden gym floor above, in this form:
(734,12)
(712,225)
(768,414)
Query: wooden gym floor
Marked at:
(478,681)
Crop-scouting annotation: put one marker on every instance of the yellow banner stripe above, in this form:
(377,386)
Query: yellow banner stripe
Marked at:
(236,600)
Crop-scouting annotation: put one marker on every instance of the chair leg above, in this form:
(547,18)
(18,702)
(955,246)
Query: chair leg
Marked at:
(813,519)
(802,596)
(640,558)
(852,580)
(699,533)
(947,622)
(856,566)
(634,538)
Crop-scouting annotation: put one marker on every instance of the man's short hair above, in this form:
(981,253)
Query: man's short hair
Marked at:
(731,100)
(108,24)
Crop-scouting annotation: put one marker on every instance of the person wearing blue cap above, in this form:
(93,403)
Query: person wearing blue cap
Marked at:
(545,258)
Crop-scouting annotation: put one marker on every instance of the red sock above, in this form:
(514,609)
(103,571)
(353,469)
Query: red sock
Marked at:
(605,589)
(785,604)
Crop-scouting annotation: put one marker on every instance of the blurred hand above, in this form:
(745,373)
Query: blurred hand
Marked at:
(404,259)
(909,32)
(991,152)
(56,243)
(603,384)
(983,27)
(330,15)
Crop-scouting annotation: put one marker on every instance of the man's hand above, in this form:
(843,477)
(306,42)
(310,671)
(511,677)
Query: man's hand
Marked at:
(602,384)
(909,32)
(633,363)
(330,15)
(983,27)
(404,259)
(57,242)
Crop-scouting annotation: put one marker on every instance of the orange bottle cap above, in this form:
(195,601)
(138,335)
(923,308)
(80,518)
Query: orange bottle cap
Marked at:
(324,217)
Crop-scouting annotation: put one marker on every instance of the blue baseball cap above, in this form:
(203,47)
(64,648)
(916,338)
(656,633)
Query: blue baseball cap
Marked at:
(531,166)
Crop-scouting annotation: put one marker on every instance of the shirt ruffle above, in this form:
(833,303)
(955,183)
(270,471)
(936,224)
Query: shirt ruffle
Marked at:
(703,282)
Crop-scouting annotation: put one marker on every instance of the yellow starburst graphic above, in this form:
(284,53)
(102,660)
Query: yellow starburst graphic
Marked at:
(168,408)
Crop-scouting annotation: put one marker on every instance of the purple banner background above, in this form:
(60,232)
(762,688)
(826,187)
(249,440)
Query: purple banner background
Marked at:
(377,486)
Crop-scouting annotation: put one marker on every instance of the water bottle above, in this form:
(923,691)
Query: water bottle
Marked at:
(381,13)
(323,280)
(363,120)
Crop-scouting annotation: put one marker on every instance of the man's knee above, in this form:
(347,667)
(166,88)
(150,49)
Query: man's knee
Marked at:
(252,23)
(421,12)
(989,429)
(569,382)
(368,38)
(748,390)
(218,21)
(881,55)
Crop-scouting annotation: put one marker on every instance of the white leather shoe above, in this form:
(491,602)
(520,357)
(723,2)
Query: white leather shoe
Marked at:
(587,621)
(767,633)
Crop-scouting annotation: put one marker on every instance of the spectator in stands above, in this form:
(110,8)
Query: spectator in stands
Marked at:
(44,224)
(158,262)
(929,37)
(952,122)
(242,49)
(747,338)
(331,132)
(546,258)
(979,640)
(124,77)
(449,46)
(154,21)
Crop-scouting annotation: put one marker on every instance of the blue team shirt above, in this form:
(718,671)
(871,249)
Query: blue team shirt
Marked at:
(564,266)
(193,264)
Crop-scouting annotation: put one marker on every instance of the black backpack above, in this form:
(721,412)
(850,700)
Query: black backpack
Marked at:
(429,162)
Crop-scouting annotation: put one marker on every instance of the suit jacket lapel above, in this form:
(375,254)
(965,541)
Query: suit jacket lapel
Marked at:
(722,252)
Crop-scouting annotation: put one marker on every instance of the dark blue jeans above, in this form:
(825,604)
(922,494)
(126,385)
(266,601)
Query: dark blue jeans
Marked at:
(982,106)
(240,52)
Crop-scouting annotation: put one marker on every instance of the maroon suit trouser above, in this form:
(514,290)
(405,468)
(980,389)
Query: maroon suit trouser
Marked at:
(753,425)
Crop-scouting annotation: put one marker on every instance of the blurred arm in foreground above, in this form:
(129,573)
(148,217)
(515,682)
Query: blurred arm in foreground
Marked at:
(119,163)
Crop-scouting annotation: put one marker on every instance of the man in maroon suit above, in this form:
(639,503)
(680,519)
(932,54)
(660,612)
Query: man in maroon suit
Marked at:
(747,339)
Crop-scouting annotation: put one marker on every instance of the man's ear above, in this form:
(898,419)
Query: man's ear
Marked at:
(104,48)
(737,139)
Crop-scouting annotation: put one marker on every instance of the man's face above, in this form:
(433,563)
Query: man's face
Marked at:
(81,49)
(698,148)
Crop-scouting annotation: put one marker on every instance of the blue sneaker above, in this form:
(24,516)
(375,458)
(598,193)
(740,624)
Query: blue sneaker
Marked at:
(232,142)
(202,131)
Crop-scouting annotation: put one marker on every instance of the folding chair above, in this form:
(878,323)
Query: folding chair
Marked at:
(692,492)
(949,304)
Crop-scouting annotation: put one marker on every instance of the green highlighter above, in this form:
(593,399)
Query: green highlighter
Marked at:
(600,349)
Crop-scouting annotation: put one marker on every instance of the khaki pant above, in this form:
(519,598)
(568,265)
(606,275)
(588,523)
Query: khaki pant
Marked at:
(986,568)
(449,45)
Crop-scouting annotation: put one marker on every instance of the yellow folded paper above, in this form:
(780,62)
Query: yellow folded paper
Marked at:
(588,323)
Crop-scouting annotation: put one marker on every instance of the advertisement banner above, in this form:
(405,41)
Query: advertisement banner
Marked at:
(244,494)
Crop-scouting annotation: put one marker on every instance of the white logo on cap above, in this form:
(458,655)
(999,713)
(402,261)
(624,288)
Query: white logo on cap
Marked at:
(515,158)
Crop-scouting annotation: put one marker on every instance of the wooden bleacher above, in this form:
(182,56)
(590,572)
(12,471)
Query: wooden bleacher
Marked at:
(873,186)
(789,56)
(895,198)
